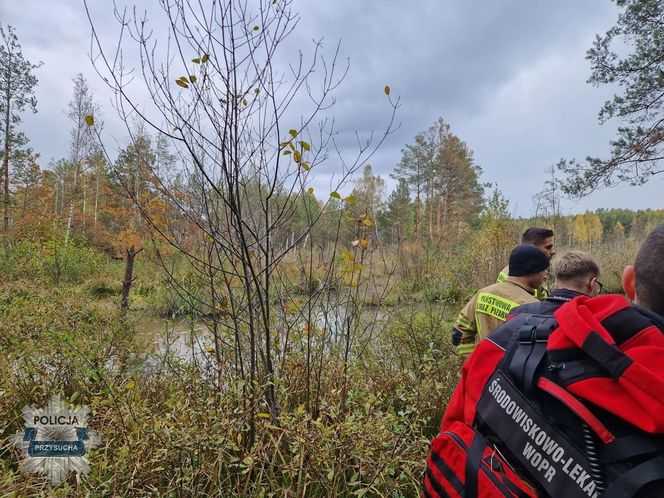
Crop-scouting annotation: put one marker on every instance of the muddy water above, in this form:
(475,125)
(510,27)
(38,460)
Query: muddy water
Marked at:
(192,340)
(182,338)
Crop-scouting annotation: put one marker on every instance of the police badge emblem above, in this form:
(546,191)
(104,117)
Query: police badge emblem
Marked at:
(56,440)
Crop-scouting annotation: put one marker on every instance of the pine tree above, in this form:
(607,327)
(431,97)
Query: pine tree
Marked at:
(399,216)
(440,167)
(631,55)
(17,84)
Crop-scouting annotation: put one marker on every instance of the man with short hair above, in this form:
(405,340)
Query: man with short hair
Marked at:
(576,273)
(643,282)
(489,307)
(544,240)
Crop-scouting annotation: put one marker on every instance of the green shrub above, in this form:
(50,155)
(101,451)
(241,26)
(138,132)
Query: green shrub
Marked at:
(167,428)
(100,289)
(52,261)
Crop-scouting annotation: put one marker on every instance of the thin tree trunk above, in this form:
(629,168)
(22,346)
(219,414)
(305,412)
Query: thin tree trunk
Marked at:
(70,217)
(6,159)
(418,206)
(55,197)
(128,278)
(446,206)
(439,204)
(96,197)
(6,188)
(25,200)
(430,207)
(419,214)
(85,201)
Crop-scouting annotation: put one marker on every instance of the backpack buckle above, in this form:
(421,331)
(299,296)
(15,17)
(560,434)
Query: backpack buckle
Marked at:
(527,335)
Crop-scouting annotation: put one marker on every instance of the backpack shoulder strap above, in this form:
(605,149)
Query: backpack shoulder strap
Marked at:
(528,350)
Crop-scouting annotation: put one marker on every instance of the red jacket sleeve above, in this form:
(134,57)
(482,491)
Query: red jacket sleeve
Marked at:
(475,373)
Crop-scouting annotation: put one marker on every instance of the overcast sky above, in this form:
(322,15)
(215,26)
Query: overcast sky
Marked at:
(509,76)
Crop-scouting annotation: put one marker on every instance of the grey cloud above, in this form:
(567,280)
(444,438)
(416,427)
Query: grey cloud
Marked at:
(509,76)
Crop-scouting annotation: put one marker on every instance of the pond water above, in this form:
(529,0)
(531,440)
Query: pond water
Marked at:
(180,337)
(192,340)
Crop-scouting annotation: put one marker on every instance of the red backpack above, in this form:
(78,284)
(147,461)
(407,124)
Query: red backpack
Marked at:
(564,406)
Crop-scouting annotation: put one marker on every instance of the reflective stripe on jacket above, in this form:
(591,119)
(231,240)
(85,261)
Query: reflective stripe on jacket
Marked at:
(488,309)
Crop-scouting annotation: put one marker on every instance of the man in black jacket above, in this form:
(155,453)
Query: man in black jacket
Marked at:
(576,274)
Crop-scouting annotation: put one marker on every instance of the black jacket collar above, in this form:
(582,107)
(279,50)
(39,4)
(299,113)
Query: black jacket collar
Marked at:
(658,320)
(564,295)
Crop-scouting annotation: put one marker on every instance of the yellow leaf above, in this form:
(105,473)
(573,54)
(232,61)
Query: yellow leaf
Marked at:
(244,101)
(196,60)
(256,28)
(386,90)
(205,58)
(192,78)
(263,415)
(350,199)
(293,133)
(181,83)
(305,166)
(347,255)
(335,194)
(305,146)
(367,223)
(310,191)
(130,385)
(297,156)
(363,244)
(89,120)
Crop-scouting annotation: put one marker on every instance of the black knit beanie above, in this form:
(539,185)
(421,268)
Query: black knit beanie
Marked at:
(527,259)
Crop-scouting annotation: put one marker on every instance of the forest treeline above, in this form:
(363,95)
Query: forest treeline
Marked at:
(149,194)
(101,202)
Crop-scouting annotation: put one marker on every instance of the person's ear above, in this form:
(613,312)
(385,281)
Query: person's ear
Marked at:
(629,282)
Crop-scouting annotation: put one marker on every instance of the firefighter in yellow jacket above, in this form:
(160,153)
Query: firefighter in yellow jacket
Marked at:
(543,239)
(490,306)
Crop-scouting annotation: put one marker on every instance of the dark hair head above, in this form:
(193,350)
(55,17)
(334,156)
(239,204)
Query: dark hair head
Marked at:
(536,235)
(649,267)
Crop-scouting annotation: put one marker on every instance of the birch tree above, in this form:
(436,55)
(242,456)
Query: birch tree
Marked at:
(82,109)
(248,130)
